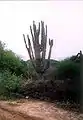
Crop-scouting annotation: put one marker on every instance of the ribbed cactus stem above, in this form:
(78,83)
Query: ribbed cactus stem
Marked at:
(39,48)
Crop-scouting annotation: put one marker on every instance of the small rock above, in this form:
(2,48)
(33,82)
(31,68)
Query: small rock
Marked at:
(27,97)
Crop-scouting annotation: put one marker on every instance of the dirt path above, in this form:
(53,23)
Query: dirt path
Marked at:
(33,110)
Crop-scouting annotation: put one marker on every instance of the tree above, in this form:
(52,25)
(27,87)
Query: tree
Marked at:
(81,81)
(38,56)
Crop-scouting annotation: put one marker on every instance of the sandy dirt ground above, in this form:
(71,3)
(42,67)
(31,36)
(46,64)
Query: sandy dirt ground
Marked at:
(34,110)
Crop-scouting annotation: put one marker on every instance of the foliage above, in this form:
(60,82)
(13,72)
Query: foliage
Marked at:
(19,76)
(68,69)
(10,61)
(10,71)
(9,83)
(68,72)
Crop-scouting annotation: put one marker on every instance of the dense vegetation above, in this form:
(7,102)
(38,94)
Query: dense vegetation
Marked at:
(18,77)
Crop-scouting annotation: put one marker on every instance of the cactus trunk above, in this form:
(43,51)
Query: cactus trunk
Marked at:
(39,55)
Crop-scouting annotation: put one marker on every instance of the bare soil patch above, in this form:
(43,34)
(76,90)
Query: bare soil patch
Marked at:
(35,110)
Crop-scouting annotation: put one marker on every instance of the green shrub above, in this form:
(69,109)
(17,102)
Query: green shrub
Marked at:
(9,83)
(68,69)
(14,72)
(9,61)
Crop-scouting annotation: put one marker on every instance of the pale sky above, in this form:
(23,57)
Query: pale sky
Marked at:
(64,20)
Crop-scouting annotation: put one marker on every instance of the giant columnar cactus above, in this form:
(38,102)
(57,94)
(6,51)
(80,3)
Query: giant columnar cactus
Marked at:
(38,56)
